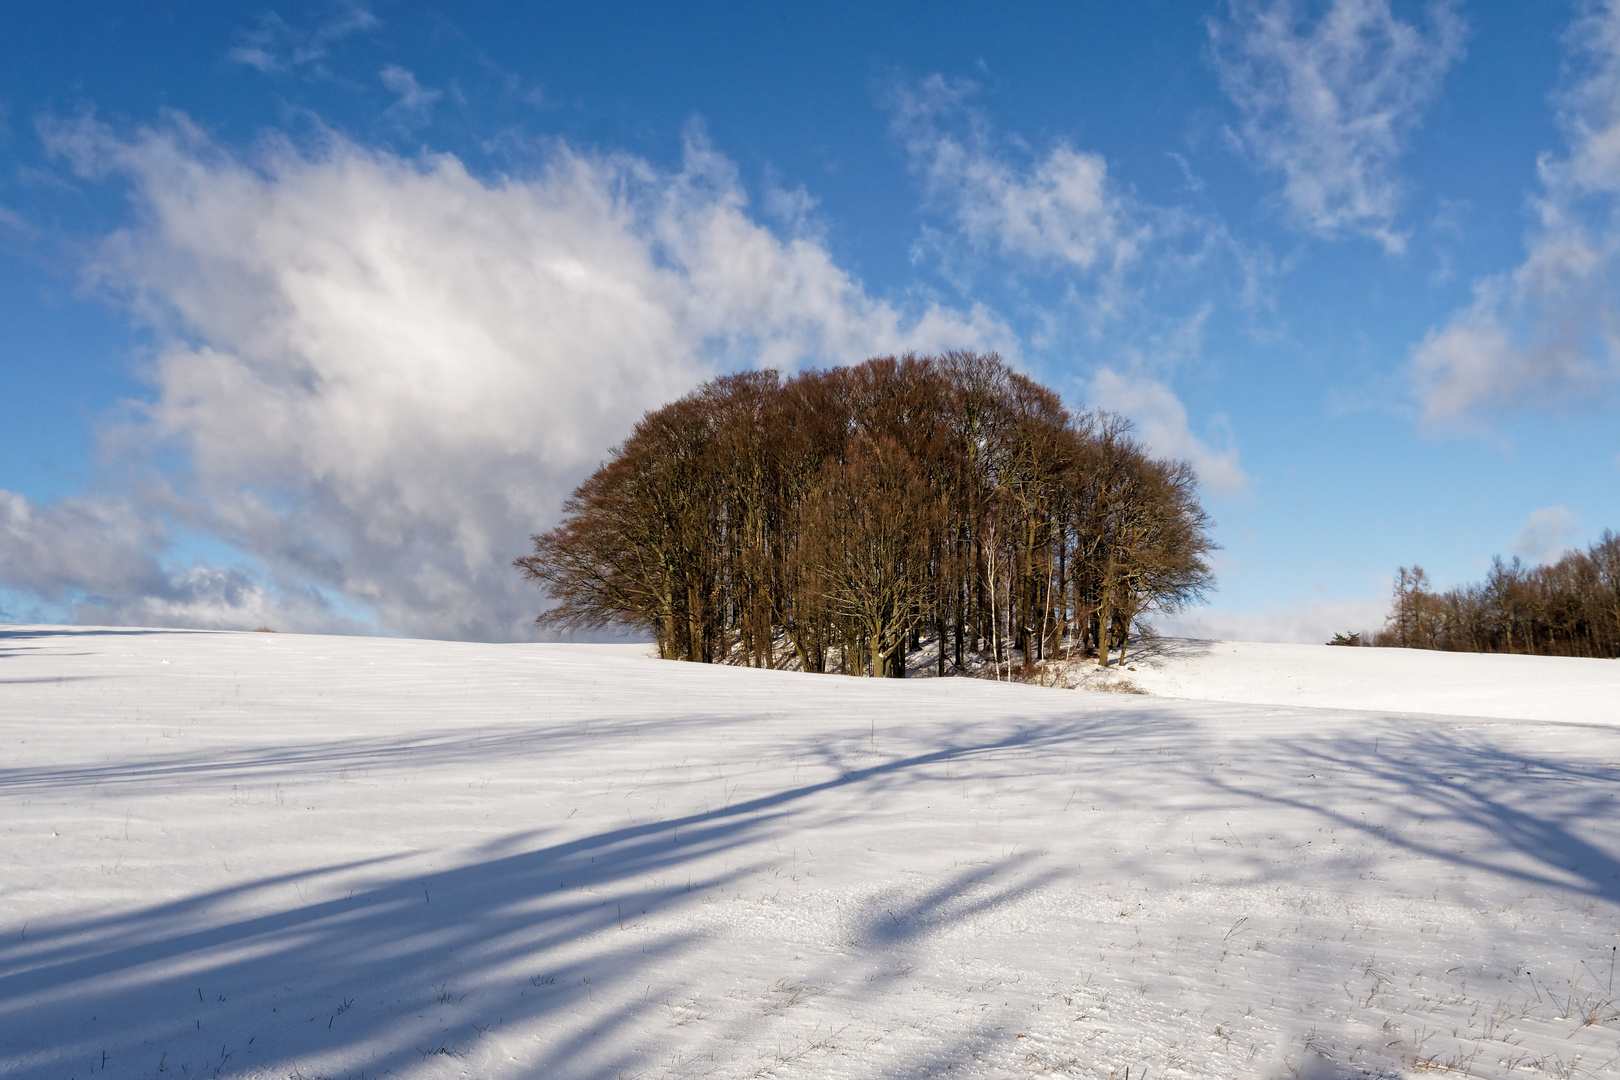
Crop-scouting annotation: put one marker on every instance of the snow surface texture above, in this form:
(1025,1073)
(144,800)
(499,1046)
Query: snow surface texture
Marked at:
(1389,680)
(262,855)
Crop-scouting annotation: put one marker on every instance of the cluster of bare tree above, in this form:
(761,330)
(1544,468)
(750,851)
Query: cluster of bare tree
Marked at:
(838,519)
(1571,608)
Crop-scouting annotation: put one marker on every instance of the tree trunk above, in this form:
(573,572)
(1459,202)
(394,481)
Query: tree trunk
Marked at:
(1104,617)
(960,599)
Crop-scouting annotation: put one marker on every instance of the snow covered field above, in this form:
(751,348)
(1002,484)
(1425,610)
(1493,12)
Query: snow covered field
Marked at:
(267,855)
(1390,680)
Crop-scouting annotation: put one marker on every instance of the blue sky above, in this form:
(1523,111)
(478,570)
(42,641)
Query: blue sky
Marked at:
(315,312)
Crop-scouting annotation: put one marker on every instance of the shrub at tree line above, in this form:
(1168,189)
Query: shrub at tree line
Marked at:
(1571,608)
(836,519)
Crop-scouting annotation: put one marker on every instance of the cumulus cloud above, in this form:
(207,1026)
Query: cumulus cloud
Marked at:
(1062,209)
(1161,423)
(382,374)
(77,546)
(275,45)
(1546,535)
(1328,104)
(100,558)
(1548,332)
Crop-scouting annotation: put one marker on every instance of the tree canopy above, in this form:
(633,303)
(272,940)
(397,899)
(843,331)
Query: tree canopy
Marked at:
(1570,608)
(834,520)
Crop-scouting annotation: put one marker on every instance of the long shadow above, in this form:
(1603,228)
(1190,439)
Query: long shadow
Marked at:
(888,934)
(1444,779)
(37,633)
(559,858)
(13,641)
(268,762)
(952,901)
(1155,651)
(207,991)
(95,631)
(445,746)
(190,988)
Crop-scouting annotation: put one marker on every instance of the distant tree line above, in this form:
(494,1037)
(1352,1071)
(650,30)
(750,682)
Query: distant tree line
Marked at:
(1571,608)
(836,520)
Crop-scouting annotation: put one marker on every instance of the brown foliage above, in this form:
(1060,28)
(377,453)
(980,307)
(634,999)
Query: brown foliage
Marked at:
(1571,608)
(846,514)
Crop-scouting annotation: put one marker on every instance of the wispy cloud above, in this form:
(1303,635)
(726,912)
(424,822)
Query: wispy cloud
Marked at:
(413,102)
(1546,535)
(1328,103)
(1547,333)
(1060,209)
(1061,213)
(275,45)
(381,374)
(14,223)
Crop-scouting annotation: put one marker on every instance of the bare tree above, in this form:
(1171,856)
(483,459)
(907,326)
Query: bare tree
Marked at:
(1571,608)
(844,517)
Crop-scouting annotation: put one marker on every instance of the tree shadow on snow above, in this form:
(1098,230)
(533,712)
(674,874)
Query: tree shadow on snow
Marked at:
(1154,651)
(1525,817)
(223,982)
(19,639)
(409,970)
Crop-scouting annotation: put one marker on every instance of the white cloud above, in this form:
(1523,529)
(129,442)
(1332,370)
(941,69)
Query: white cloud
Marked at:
(384,374)
(13,222)
(1546,535)
(1311,623)
(413,101)
(275,45)
(1329,104)
(1061,213)
(78,545)
(1062,209)
(1160,419)
(99,558)
(1548,332)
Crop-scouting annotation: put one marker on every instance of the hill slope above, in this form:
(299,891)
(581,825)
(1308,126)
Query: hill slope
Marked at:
(272,856)
(1552,688)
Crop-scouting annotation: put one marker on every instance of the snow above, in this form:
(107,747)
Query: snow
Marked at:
(1550,688)
(265,855)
